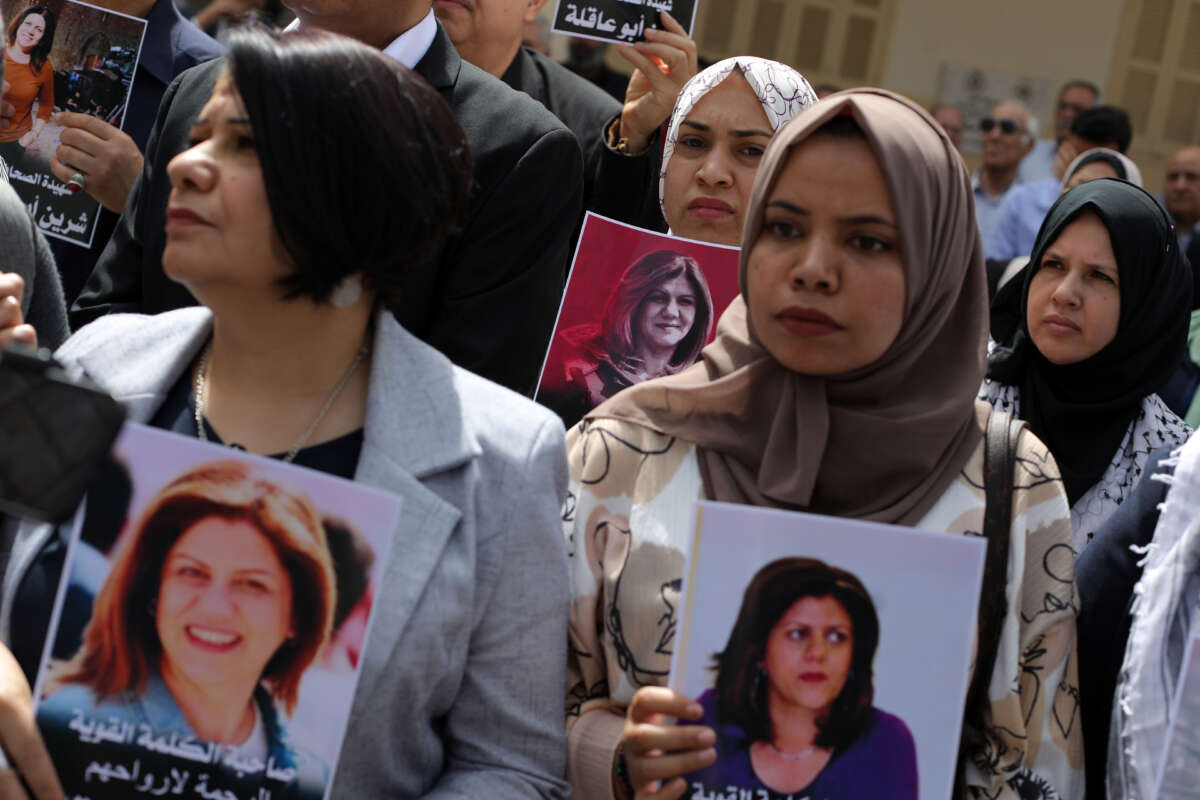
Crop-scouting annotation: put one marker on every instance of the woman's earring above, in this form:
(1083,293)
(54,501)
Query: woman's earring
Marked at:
(347,292)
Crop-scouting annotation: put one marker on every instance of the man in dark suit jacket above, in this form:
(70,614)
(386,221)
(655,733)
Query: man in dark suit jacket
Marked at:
(489,34)
(490,300)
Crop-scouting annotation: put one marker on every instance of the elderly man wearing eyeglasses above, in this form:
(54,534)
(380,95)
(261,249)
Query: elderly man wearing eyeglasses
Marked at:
(1008,135)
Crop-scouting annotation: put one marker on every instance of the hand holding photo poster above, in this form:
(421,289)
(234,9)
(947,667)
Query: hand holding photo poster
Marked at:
(206,636)
(830,656)
(638,305)
(619,20)
(62,55)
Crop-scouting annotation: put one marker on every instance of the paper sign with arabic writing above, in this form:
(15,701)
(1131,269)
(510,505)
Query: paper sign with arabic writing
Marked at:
(619,20)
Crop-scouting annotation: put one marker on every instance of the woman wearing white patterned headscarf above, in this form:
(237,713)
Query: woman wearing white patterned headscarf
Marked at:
(722,121)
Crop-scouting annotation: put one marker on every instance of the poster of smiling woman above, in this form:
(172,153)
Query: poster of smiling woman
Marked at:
(638,305)
(830,656)
(205,639)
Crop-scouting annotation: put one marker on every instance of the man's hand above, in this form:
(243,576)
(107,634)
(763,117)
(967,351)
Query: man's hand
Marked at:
(107,156)
(1066,153)
(12,323)
(7,111)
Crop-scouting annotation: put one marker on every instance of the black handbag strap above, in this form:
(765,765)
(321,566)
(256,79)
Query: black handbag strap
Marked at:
(1000,454)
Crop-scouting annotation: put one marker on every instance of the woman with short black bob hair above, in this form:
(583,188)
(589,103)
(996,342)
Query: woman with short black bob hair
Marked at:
(405,203)
(319,171)
(800,613)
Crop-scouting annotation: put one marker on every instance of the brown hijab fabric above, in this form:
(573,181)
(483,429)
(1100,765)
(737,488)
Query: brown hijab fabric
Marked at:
(885,441)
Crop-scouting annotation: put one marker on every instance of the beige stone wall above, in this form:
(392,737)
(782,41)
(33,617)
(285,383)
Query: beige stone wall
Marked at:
(1144,54)
(1054,40)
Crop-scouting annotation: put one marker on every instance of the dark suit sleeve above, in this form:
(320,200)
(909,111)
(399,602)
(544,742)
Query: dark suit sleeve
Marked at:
(1193,257)
(1106,573)
(625,188)
(115,284)
(509,265)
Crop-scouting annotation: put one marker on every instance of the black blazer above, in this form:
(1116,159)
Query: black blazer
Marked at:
(581,105)
(1106,573)
(488,302)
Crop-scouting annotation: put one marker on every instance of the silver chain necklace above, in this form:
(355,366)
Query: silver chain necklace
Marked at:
(200,388)
(803,754)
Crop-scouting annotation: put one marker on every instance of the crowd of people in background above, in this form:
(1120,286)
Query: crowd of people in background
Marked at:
(412,258)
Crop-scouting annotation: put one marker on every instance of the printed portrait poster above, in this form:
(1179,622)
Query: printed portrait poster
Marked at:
(1178,778)
(206,635)
(780,613)
(89,67)
(619,20)
(638,305)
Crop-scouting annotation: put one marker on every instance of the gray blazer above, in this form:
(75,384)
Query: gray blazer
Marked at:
(460,693)
(23,250)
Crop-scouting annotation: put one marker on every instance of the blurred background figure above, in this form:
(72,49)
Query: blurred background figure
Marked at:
(1008,135)
(1021,215)
(952,122)
(1181,196)
(1073,97)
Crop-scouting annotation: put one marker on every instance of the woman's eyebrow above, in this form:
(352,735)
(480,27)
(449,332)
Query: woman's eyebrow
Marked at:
(868,219)
(1054,255)
(255,571)
(786,206)
(739,134)
(857,219)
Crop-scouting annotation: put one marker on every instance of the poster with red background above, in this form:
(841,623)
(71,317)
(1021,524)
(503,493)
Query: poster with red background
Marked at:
(622,280)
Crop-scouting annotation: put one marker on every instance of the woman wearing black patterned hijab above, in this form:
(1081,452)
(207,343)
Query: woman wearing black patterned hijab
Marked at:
(1086,334)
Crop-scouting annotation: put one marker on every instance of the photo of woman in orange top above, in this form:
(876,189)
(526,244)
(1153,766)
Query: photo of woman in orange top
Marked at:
(29,73)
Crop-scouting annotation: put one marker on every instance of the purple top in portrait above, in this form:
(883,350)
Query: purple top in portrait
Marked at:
(881,762)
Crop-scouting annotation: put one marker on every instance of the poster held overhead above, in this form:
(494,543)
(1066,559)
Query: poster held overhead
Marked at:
(831,656)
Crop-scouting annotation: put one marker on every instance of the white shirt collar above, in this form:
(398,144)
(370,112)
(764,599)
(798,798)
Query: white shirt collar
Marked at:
(409,47)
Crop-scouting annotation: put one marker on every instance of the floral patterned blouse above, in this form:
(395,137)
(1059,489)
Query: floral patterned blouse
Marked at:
(628,520)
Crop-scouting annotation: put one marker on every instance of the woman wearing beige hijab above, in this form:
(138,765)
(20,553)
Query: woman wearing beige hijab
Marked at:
(842,382)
